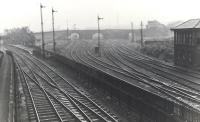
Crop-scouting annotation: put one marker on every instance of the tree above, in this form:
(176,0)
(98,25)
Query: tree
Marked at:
(20,36)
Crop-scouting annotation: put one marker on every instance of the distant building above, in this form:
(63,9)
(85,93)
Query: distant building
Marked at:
(154,24)
(95,36)
(187,43)
(155,29)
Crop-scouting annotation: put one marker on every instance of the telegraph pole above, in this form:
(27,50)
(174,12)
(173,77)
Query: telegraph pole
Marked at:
(42,29)
(132,33)
(141,33)
(54,41)
(98,19)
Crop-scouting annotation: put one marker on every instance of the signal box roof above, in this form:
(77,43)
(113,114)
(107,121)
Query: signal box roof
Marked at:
(190,24)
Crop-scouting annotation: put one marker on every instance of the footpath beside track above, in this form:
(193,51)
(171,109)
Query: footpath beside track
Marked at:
(6,79)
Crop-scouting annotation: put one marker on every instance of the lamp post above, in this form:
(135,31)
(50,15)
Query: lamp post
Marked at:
(54,41)
(98,19)
(42,29)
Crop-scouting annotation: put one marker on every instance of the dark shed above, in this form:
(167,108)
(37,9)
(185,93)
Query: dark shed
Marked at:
(187,43)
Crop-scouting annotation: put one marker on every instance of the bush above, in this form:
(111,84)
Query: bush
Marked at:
(20,36)
(159,49)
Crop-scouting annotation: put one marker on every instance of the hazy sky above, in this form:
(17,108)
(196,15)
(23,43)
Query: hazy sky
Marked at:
(116,13)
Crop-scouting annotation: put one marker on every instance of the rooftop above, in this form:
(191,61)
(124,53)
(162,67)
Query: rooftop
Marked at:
(190,24)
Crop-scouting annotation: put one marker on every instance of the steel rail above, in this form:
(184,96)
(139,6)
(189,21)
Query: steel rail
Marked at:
(172,95)
(26,78)
(82,104)
(81,95)
(35,72)
(26,86)
(157,88)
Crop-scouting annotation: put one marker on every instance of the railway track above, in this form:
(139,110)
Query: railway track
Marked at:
(190,85)
(173,90)
(113,70)
(39,105)
(64,114)
(161,64)
(97,63)
(61,94)
(181,94)
(121,63)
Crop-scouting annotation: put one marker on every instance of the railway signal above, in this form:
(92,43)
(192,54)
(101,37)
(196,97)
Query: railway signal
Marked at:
(98,19)
(54,41)
(42,29)
(141,33)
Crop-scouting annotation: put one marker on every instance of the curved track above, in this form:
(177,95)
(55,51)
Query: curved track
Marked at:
(177,92)
(118,64)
